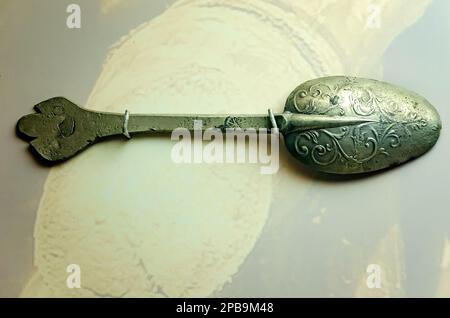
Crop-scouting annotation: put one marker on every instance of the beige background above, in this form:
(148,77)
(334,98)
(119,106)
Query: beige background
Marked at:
(314,244)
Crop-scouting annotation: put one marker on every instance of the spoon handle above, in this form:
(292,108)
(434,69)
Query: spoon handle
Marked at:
(167,123)
(285,122)
(60,129)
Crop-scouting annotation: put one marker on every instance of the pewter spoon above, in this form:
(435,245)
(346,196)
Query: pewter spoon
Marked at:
(341,125)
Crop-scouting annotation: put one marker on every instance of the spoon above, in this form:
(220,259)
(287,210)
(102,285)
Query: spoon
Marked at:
(341,125)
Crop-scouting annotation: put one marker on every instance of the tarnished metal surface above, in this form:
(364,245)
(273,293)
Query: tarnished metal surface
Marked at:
(334,124)
(60,129)
(404,126)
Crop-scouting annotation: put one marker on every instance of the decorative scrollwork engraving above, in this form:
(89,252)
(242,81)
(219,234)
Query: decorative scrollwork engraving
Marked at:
(318,92)
(395,120)
(368,142)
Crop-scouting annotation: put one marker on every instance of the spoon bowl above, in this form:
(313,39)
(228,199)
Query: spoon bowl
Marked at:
(403,125)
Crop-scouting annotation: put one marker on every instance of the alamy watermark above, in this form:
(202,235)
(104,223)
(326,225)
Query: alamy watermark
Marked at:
(73,20)
(231,145)
(374,276)
(74,278)
(373,16)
